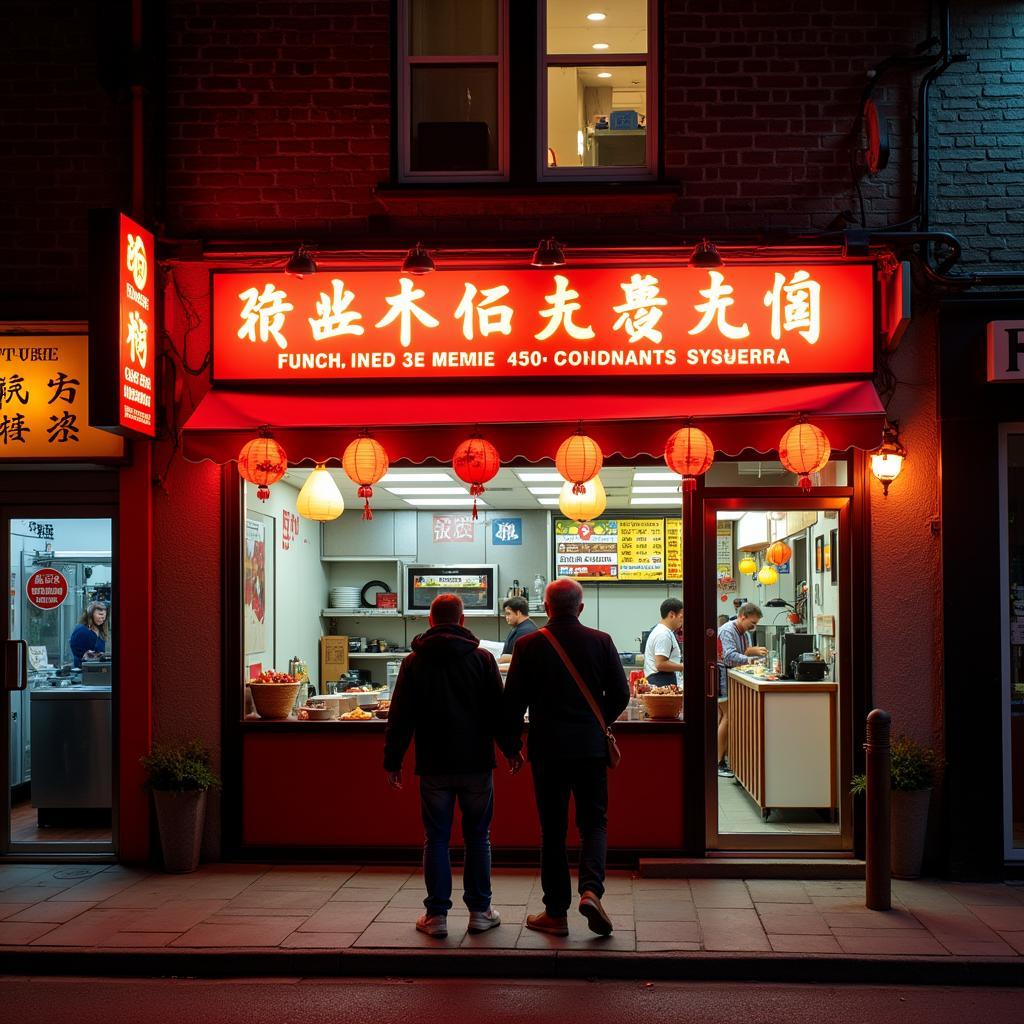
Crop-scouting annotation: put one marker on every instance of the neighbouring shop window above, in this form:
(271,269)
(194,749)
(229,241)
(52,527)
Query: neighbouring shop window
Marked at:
(1013,555)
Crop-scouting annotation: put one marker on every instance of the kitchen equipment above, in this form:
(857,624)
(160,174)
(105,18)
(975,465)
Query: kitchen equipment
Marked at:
(96,672)
(808,668)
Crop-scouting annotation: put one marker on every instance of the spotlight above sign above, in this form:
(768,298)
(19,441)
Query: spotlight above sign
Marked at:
(765,320)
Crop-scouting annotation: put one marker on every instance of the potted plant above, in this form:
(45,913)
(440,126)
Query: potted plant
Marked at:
(912,773)
(179,776)
(274,693)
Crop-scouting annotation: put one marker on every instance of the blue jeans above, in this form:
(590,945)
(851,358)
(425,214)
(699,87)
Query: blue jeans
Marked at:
(475,794)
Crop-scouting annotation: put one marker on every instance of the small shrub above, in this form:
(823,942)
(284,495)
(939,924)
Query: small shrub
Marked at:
(179,766)
(912,766)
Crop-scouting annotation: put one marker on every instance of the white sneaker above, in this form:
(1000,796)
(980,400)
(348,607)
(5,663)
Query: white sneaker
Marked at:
(434,925)
(482,920)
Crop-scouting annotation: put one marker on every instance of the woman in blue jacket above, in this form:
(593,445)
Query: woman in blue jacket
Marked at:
(90,635)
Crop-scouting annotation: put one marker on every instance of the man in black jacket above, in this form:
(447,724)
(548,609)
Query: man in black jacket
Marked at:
(448,695)
(568,751)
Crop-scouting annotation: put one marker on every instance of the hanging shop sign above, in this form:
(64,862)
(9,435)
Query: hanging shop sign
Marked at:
(767,320)
(1005,350)
(44,401)
(122,323)
(46,589)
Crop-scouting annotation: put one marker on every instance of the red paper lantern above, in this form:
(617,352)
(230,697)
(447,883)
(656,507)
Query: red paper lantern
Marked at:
(578,460)
(779,553)
(476,461)
(365,462)
(262,461)
(804,449)
(689,452)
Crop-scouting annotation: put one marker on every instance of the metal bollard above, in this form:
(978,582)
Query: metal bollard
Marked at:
(878,853)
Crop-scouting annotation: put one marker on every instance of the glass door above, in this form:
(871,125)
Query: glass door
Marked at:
(58,682)
(778,692)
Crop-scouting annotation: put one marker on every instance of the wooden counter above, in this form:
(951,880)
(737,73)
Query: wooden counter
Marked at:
(782,741)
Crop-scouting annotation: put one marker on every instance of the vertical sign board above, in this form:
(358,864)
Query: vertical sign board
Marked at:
(1005,360)
(122,324)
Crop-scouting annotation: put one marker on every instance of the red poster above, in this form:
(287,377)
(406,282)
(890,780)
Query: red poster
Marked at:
(47,589)
(137,348)
(767,320)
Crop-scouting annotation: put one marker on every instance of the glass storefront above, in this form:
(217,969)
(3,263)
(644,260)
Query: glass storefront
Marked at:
(1012,516)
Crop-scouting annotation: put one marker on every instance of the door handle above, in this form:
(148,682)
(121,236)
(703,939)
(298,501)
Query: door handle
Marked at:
(711,690)
(15,665)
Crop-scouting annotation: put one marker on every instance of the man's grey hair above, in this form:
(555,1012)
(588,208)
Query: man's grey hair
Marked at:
(563,597)
(749,610)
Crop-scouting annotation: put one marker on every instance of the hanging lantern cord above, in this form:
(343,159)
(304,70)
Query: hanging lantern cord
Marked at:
(366,493)
(579,488)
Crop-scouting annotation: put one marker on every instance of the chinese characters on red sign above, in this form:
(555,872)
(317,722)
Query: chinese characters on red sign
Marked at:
(137,337)
(768,319)
(47,589)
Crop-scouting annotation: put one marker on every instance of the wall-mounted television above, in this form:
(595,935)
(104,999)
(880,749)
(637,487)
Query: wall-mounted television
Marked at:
(477,585)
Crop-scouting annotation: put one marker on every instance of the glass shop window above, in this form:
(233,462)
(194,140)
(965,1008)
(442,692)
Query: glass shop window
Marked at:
(1013,654)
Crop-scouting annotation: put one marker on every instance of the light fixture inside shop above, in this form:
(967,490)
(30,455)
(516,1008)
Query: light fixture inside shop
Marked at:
(300,263)
(599,46)
(665,501)
(547,476)
(320,500)
(548,254)
(424,491)
(657,490)
(548,501)
(445,502)
(887,462)
(604,74)
(544,490)
(596,16)
(417,261)
(657,475)
(416,478)
(705,255)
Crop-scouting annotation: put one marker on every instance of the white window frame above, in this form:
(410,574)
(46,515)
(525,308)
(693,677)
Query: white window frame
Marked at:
(1010,853)
(405,65)
(649,171)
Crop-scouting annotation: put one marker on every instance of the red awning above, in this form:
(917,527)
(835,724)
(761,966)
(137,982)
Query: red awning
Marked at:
(528,423)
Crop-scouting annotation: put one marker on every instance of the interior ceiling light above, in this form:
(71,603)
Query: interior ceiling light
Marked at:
(416,478)
(596,16)
(539,477)
(445,502)
(656,490)
(548,501)
(705,255)
(650,501)
(300,263)
(645,475)
(548,254)
(599,46)
(417,261)
(604,74)
(424,491)
(544,490)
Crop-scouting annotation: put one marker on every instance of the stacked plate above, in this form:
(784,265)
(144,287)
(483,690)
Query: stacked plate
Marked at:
(344,597)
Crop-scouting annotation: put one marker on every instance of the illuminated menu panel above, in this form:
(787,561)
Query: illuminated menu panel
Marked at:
(642,549)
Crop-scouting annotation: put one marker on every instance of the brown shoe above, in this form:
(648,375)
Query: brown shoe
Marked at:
(597,919)
(548,924)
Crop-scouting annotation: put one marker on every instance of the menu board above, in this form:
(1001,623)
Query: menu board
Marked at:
(642,549)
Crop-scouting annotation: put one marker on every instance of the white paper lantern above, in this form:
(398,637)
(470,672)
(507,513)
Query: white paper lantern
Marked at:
(320,499)
(586,506)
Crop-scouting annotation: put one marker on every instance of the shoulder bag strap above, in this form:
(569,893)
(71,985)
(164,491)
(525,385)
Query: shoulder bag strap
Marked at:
(584,689)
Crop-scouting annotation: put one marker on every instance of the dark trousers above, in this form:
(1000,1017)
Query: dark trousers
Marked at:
(475,795)
(586,780)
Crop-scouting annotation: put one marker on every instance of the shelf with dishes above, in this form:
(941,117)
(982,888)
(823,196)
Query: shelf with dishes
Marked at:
(359,613)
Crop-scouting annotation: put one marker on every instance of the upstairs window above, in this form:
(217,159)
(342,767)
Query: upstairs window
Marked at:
(590,116)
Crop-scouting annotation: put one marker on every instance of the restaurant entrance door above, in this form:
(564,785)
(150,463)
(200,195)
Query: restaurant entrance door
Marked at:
(56,749)
(779,673)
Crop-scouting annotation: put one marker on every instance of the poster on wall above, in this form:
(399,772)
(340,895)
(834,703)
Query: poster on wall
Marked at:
(673,549)
(254,581)
(453,528)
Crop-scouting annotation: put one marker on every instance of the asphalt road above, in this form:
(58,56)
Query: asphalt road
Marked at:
(419,1001)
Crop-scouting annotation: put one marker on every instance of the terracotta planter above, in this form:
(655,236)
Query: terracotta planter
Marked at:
(909,826)
(274,700)
(180,815)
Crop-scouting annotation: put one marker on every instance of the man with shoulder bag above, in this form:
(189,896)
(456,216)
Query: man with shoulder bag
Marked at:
(571,680)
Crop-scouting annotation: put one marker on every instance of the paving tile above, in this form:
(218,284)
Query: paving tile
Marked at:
(415,897)
(793,924)
(137,898)
(1015,939)
(226,916)
(667,931)
(346,917)
(13,933)
(732,929)
(667,947)
(904,941)
(665,910)
(225,887)
(617,942)
(981,895)
(53,913)
(359,895)
(175,916)
(8,910)
(613,904)
(29,893)
(804,944)
(313,876)
(506,936)
(101,886)
(319,940)
(882,920)
(977,947)
(721,893)
(298,900)
(12,875)
(89,928)
(1002,919)
(138,940)
(256,931)
(393,935)
(379,878)
(771,891)
(833,887)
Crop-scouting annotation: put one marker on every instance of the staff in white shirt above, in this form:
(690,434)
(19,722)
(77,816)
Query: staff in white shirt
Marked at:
(663,660)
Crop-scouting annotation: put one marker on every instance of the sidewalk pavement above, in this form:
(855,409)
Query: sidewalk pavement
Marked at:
(240,919)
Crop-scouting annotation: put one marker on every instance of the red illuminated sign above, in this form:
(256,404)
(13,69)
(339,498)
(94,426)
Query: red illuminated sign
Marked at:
(123,321)
(764,320)
(47,589)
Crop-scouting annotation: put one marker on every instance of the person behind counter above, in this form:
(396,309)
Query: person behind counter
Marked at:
(517,615)
(89,638)
(734,650)
(663,660)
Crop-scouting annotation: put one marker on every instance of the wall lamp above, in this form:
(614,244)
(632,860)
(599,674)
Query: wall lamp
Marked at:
(856,243)
(417,261)
(548,254)
(887,462)
(705,255)
(300,263)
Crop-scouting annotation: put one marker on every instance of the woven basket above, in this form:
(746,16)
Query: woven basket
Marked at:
(274,700)
(663,705)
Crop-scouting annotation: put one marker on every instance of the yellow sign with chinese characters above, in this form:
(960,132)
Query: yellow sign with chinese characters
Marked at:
(44,401)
